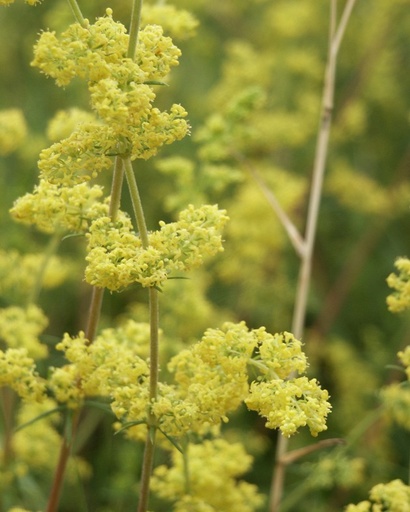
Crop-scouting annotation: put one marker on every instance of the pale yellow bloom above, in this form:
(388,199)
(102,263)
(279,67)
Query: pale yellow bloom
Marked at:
(18,372)
(399,300)
(179,23)
(13,130)
(392,497)
(213,490)
(116,258)
(58,209)
(290,404)
(21,327)
(121,96)
(18,273)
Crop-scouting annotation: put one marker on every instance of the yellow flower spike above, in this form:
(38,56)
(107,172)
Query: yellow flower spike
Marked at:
(65,122)
(393,496)
(179,23)
(52,208)
(404,357)
(116,258)
(17,370)
(291,404)
(399,300)
(213,490)
(18,273)
(21,328)
(13,130)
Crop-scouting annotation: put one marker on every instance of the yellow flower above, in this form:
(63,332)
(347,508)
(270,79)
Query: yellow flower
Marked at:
(213,490)
(20,328)
(393,496)
(399,300)
(13,130)
(57,209)
(17,370)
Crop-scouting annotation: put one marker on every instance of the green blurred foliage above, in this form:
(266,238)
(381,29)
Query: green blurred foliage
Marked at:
(251,79)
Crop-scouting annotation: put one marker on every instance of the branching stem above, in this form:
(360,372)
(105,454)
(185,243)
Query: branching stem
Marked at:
(335,37)
(154,342)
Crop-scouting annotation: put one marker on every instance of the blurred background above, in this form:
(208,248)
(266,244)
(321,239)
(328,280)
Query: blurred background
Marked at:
(251,78)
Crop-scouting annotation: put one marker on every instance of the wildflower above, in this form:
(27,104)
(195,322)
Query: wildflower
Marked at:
(17,371)
(218,489)
(404,356)
(116,258)
(180,23)
(21,327)
(290,404)
(13,130)
(399,300)
(97,369)
(18,272)
(126,122)
(393,496)
(56,208)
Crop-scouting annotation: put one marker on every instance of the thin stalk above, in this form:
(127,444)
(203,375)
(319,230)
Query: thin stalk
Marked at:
(134,28)
(136,202)
(92,324)
(149,451)
(98,293)
(78,15)
(335,37)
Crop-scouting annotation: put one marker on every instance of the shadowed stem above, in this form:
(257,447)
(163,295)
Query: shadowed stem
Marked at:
(299,314)
(93,319)
(154,343)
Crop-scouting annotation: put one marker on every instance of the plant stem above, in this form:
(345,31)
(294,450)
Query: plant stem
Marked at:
(136,202)
(90,332)
(98,293)
(77,13)
(134,28)
(299,314)
(147,463)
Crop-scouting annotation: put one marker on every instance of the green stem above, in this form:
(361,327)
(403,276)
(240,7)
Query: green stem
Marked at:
(134,28)
(92,324)
(98,293)
(78,15)
(154,342)
(136,202)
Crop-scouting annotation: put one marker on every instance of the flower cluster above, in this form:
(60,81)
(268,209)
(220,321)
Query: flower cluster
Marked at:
(211,379)
(396,396)
(95,369)
(393,496)
(13,130)
(57,209)
(180,23)
(399,300)
(18,273)
(17,370)
(125,121)
(21,327)
(117,259)
(213,490)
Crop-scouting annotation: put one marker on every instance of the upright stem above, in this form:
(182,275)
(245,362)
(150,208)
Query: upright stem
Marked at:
(134,28)
(299,314)
(77,12)
(154,343)
(92,324)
